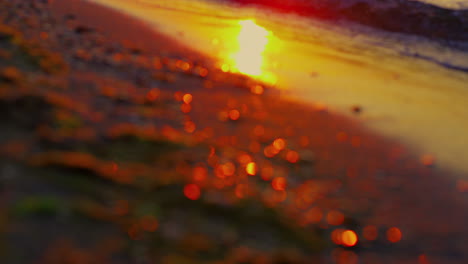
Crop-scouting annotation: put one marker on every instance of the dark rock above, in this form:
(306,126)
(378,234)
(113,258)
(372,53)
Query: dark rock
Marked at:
(83,30)
(356,109)
(26,111)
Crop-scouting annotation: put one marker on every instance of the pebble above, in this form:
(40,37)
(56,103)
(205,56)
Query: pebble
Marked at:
(356,109)
(10,75)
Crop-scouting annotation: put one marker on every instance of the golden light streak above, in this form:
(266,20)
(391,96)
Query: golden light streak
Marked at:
(249,58)
(251,168)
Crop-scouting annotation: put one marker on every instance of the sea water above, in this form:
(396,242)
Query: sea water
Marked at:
(453,4)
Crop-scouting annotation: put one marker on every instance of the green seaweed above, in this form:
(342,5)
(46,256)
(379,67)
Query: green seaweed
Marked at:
(38,205)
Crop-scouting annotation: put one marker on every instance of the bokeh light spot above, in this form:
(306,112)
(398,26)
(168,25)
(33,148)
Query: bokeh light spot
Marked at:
(199,174)
(256,89)
(234,114)
(336,236)
(251,168)
(192,191)
(185,108)
(394,234)
(187,98)
(279,144)
(279,183)
(153,94)
(349,238)
(270,151)
(292,156)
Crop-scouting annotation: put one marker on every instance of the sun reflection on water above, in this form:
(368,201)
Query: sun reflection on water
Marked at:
(249,56)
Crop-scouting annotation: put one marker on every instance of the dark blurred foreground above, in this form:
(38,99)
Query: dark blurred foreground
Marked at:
(112,155)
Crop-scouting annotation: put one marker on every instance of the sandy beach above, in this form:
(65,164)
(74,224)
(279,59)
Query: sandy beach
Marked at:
(121,144)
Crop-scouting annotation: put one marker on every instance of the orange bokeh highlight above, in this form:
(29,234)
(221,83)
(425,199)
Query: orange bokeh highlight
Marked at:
(394,234)
(199,174)
(187,98)
(336,236)
(279,183)
(192,191)
(228,169)
(234,114)
(279,144)
(251,168)
(203,72)
(349,238)
(270,151)
(185,108)
(256,89)
(292,156)
(189,127)
(183,65)
(153,94)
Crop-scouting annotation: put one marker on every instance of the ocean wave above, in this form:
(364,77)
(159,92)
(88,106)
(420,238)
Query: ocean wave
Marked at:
(403,16)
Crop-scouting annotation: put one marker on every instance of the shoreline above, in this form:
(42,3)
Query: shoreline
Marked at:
(370,178)
(345,79)
(426,20)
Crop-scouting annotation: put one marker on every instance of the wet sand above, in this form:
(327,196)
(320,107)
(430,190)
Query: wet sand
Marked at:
(138,34)
(404,96)
(380,148)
